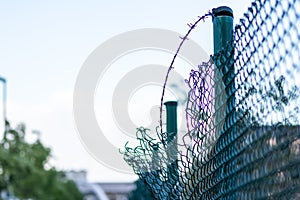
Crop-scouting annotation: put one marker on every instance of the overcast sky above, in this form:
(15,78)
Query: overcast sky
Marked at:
(44,44)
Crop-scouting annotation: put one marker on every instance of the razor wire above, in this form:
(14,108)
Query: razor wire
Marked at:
(243,143)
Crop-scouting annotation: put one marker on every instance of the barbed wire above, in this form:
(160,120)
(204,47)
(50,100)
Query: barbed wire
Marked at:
(192,26)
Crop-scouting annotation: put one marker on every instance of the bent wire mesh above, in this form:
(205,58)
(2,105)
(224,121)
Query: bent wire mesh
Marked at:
(243,138)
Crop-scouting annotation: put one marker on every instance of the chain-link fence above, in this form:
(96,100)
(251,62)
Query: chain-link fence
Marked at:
(243,139)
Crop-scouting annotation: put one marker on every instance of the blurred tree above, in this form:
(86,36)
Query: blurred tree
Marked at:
(23,172)
(280,101)
(141,192)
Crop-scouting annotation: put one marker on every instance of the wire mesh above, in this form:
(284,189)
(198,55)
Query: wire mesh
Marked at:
(243,139)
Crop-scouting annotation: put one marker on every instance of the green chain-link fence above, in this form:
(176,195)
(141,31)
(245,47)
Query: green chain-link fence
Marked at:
(243,139)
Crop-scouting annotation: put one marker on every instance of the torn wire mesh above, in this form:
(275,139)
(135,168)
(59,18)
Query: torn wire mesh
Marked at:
(247,147)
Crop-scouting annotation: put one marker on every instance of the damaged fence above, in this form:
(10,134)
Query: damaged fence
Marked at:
(243,138)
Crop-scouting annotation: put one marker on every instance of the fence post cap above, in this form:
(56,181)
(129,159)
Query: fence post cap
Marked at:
(171,103)
(222,11)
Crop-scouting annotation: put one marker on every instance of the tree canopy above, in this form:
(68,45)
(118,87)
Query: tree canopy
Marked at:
(23,170)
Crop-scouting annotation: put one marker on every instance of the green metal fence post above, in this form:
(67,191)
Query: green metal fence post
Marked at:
(224,72)
(172,150)
(222,27)
(171,107)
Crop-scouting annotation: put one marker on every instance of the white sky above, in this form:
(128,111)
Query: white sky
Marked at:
(44,44)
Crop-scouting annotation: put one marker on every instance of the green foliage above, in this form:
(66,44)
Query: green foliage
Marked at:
(280,101)
(284,100)
(23,172)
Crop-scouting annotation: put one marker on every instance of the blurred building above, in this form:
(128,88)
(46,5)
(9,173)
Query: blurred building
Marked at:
(100,191)
(89,190)
(117,191)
